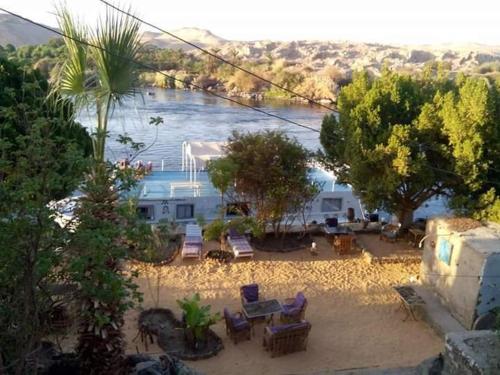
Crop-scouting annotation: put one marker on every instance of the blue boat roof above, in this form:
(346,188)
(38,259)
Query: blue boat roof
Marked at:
(159,185)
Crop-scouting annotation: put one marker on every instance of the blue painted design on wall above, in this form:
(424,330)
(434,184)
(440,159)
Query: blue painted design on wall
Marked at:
(445,251)
(489,290)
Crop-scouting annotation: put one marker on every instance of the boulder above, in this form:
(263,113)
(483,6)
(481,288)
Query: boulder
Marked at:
(419,56)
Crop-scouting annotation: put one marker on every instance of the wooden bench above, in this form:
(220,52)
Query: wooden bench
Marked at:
(287,338)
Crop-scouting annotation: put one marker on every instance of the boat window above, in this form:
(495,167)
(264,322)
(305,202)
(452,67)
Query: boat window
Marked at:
(331,204)
(185,211)
(146,212)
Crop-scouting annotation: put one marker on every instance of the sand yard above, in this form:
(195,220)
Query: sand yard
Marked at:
(355,315)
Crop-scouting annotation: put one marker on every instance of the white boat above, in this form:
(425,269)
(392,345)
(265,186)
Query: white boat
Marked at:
(184,195)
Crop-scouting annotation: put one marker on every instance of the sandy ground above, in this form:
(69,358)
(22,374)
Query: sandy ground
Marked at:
(355,315)
(400,248)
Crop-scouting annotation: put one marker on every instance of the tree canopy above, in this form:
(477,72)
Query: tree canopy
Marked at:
(42,158)
(400,140)
(268,170)
(24,102)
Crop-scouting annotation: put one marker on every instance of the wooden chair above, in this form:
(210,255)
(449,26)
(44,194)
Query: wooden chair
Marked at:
(249,293)
(343,244)
(286,338)
(390,232)
(237,327)
(294,309)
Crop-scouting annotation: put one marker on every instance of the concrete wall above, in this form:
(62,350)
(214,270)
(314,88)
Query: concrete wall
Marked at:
(456,283)
(472,353)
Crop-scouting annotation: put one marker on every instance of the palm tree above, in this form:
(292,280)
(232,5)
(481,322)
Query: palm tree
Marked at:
(99,73)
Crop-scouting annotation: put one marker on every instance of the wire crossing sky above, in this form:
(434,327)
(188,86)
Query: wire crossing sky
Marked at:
(383,21)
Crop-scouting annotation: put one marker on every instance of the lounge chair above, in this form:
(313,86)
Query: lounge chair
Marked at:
(294,309)
(342,244)
(286,338)
(237,327)
(239,244)
(249,293)
(193,242)
(390,232)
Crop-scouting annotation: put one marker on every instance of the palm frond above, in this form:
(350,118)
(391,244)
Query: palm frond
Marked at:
(73,79)
(119,41)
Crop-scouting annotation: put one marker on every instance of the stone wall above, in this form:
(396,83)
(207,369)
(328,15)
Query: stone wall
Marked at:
(472,353)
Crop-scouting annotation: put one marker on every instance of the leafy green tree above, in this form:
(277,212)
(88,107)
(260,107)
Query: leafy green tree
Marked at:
(401,140)
(106,290)
(42,158)
(471,120)
(384,144)
(221,173)
(270,172)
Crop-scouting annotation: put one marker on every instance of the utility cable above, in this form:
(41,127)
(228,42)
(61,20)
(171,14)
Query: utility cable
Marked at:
(148,67)
(218,57)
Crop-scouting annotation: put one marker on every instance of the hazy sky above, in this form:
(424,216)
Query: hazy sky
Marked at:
(398,21)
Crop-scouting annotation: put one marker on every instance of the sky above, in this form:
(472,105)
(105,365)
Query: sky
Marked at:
(382,21)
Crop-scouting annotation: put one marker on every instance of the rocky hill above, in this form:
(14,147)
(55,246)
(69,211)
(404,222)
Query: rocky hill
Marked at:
(309,55)
(18,32)
(347,56)
(203,38)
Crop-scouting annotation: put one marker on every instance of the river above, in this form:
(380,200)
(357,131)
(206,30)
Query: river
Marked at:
(192,115)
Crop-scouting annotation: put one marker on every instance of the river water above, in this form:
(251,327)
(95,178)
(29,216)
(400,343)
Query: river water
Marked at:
(198,116)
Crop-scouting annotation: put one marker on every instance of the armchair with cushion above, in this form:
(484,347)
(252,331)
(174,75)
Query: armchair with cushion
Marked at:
(286,338)
(249,293)
(294,309)
(237,327)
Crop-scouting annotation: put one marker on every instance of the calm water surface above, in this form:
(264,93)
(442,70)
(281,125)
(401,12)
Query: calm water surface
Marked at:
(198,116)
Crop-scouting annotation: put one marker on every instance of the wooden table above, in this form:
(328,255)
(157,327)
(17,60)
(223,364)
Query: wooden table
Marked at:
(261,310)
(409,299)
(417,235)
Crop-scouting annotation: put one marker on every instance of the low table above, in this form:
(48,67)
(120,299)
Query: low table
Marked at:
(409,299)
(259,310)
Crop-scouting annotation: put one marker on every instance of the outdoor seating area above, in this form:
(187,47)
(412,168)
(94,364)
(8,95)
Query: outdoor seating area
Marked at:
(261,303)
(287,337)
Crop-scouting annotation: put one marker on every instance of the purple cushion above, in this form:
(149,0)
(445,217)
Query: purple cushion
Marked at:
(240,324)
(251,292)
(300,299)
(286,327)
(290,310)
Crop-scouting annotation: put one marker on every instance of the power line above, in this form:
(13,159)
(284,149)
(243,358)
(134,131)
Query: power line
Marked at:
(220,58)
(148,67)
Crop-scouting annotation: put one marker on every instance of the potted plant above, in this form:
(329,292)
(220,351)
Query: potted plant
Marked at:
(197,319)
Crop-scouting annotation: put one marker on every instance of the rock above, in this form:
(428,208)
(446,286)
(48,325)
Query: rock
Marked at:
(149,368)
(419,56)
(482,58)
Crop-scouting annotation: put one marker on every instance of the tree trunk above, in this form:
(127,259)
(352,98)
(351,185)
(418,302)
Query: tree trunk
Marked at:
(405,217)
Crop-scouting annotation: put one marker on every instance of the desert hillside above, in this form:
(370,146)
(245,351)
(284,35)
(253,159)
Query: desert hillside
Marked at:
(18,32)
(314,55)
